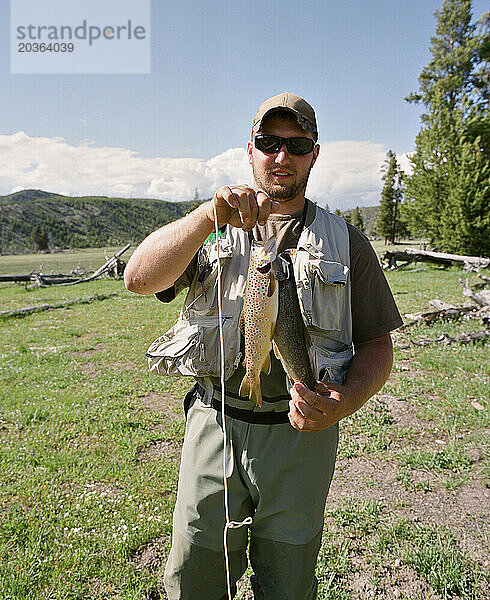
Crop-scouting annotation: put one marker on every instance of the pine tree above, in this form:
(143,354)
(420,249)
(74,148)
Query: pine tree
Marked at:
(357,219)
(450,162)
(388,220)
(39,237)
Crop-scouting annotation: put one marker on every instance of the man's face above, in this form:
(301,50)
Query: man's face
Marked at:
(283,176)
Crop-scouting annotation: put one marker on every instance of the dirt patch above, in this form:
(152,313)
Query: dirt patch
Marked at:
(464,511)
(90,370)
(391,581)
(402,412)
(90,352)
(95,369)
(162,403)
(152,555)
(157,450)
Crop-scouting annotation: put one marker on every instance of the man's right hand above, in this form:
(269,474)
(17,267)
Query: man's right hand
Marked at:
(241,206)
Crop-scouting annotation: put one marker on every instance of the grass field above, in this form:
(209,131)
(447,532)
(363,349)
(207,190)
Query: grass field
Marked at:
(90,442)
(89,259)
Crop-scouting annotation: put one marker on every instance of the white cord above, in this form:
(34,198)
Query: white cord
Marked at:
(228,524)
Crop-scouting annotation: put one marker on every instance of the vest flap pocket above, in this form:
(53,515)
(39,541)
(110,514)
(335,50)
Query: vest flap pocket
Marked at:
(192,347)
(329,299)
(329,365)
(167,355)
(333,273)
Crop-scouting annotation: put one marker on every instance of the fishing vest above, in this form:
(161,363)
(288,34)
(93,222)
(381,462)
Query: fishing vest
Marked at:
(321,268)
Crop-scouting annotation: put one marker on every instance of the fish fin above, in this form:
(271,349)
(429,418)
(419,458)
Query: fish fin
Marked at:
(266,367)
(241,323)
(253,391)
(244,387)
(271,288)
(277,354)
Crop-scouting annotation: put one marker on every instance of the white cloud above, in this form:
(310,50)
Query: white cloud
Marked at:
(347,173)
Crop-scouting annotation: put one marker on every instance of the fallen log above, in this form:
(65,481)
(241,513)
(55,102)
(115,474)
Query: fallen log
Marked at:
(409,255)
(22,312)
(463,338)
(5,278)
(481,298)
(112,264)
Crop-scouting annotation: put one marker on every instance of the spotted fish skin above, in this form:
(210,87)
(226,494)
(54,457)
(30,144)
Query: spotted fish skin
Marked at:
(258,320)
(291,339)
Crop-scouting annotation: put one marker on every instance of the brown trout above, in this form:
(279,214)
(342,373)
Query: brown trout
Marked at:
(291,339)
(258,319)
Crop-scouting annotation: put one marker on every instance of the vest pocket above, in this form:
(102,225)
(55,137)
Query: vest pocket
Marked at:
(192,347)
(329,365)
(322,288)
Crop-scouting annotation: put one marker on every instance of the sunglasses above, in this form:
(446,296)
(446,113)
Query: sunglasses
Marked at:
(270,144)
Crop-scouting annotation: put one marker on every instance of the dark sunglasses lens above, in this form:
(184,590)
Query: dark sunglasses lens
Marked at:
(267,143)
(300,145)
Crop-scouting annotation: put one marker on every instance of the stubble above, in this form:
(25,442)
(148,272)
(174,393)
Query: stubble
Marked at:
(277,191)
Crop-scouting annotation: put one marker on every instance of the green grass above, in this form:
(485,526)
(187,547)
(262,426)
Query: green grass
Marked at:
(76,500)
(59,262)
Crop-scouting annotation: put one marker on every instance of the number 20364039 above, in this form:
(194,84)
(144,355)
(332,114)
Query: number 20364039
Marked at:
(56,47)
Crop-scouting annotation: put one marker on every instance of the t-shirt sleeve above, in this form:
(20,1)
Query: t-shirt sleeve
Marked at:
(374,311)
(181,283)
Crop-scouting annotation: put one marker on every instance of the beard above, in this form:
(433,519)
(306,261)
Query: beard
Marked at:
(281,191)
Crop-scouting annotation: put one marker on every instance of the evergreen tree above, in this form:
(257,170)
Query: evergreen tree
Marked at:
(388,221)
(357,219)
(455,136)
(39,237)
(337,212)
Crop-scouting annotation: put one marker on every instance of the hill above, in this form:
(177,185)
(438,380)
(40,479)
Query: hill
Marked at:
(369,217)
(35,219)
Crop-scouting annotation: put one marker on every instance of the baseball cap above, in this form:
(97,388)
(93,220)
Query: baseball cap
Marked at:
(286,101)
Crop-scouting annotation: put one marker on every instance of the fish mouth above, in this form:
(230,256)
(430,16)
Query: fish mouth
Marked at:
(265,269)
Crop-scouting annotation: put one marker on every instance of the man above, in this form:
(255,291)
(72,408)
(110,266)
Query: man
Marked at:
(281,456)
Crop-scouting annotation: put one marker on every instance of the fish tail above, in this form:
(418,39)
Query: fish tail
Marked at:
(251,389)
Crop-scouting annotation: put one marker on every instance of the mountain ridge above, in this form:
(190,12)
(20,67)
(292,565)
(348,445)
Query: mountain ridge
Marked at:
(40,220)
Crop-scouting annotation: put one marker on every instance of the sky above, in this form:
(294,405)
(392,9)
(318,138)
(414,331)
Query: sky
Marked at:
(184,126)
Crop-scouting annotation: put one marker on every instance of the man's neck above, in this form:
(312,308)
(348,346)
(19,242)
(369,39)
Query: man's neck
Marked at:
(290,207)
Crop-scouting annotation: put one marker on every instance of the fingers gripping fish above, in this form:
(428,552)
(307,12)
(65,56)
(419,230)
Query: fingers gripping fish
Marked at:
(258,318)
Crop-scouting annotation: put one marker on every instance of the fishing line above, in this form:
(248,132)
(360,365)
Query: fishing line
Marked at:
(228,523)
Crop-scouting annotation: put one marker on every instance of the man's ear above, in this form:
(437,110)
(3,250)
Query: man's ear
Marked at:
(249,151)
(316,152)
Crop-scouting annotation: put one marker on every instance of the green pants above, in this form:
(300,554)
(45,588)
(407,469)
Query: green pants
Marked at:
(281,571)
(278,476)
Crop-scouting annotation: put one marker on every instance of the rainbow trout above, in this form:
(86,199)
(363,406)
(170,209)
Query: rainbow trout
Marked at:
(291,339)
(258,317)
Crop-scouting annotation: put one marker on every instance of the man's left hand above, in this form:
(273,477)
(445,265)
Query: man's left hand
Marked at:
(314,411)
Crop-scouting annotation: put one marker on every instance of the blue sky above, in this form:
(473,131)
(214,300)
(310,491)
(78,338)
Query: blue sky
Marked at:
(212,64)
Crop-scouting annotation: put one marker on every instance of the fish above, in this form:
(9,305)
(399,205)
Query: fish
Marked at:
(258,317)
(291,339)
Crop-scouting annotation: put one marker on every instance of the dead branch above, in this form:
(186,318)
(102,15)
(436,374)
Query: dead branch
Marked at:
(114,267)
(446,339)
(481,298)
(114,264)
(390,257)
(22,312)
